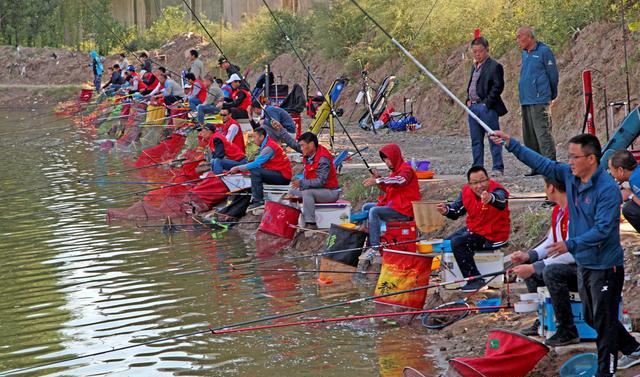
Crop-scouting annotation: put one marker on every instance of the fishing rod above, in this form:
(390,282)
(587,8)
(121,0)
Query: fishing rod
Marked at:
(103,182)
(425,70)
(315,82)
(243,266)
(258,320)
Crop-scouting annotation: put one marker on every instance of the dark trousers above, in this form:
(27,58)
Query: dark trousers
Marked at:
(560,279)
(260,176)
(464,243)
(536,130)
(171,99)
(600,292)
(477,133)
(631,212)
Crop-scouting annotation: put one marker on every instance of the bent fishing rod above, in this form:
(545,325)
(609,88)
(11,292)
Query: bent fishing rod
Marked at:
(425,70)
(315,82)
(213,330)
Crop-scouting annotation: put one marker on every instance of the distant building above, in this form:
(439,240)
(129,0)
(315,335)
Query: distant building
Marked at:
(143,13)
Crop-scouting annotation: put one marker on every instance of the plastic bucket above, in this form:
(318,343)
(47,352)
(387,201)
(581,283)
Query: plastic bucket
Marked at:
(402,270)
(85,95)
(584,364)
(427,217)
(278,220)
(422,165)
(154,113)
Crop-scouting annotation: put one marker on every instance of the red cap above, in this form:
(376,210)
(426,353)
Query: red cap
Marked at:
(476,33)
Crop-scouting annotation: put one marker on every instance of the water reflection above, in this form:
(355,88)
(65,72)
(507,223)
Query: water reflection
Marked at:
(70,285)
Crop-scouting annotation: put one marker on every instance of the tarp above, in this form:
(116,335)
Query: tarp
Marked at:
(507,354)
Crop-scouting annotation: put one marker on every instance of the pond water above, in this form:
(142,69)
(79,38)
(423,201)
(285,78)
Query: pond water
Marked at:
(71,284)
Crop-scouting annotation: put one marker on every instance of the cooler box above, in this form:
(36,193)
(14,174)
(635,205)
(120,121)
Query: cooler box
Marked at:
(332,213)
(275,192)
(547,317)
(399,231)
(487,262)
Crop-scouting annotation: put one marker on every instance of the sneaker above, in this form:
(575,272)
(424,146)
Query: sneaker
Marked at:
(255,205)
(562,339)
(474,285)
(531,174)
(497,174)
(627,361)
(369,254)
(531,330)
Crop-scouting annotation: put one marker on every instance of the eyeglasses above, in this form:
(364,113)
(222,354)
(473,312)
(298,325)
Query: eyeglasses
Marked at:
(473,183)
(224,115)
(573,158)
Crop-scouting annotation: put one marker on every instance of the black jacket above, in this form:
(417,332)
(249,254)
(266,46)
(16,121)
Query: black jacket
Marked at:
(490,85)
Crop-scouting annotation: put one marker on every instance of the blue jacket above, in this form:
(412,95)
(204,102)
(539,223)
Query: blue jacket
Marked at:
(538,76)
(281,116)
(594,210)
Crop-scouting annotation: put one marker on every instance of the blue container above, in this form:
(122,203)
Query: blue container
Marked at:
(489,302)
(357,217)
(582,365)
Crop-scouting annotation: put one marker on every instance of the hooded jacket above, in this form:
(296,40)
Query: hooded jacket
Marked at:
(401,187)
(96,63)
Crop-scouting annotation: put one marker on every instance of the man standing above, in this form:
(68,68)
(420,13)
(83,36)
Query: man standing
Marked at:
(232,69)
(594,241)
(197,67)
(146,64)
(538,88)
(485,202)
(483,98)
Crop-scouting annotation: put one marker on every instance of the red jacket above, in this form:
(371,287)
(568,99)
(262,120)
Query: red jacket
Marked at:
(401,188)
(485,219)
(279,162)
(244,105)
(202,94)
(231,151)
(238,140)
(310,169)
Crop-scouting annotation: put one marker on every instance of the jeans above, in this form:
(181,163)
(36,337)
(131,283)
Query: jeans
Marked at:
(193,103)
(312,196)
(536,130)
(260,176)
(97,81)
(206,109)
(600,292)
(377,214)
(560,279)
(218,165)
(112,89)
(490,117)
(631,212)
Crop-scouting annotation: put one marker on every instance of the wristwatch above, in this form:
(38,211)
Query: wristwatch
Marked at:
(630,197)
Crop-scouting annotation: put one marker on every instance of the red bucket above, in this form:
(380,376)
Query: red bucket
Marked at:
(297,119)
(400,231)
(85,95)
(278,220)
(402,270)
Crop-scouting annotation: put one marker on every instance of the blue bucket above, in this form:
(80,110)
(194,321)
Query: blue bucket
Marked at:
(357,217)
(489,302)
(582,365)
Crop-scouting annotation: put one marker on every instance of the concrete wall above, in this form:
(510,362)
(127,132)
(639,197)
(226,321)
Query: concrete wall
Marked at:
(143,12)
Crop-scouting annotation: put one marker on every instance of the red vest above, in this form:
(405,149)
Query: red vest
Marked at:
(231,151)
(141,85)
(401,198)
(247,99)
(564,222)
(485,219)
(202,94)
(238,140)
(279,162)
(310,170)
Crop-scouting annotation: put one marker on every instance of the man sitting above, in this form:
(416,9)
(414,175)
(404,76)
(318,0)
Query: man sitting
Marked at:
(320,181)
(231,129)
(240,98)
(272,166)
(224,155)
(213,98)
(484,201)
(400,190)
(198,93)
(624,168)
(558,273)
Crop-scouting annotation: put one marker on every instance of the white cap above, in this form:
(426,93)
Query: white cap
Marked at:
(233,78)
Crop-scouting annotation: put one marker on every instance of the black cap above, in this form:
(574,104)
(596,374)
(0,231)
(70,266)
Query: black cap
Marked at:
(221,60)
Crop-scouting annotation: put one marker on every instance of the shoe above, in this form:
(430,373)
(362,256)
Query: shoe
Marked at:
(497,174)
(255,205)
(474,285)
(560,339)
(531,174)
(369,254)
(531,330)
(366,260)
(627,361)
(311,226)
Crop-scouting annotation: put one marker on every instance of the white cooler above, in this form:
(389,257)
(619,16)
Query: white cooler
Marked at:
(487,262)
(331,213)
